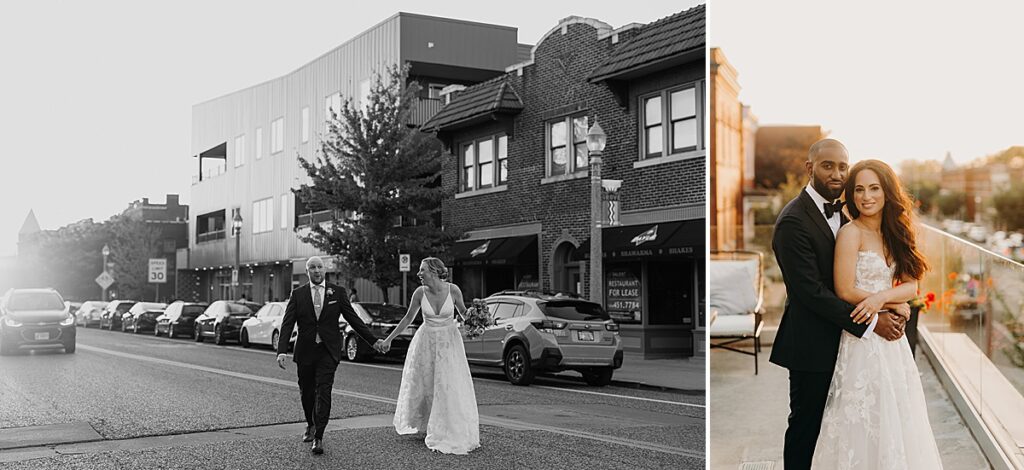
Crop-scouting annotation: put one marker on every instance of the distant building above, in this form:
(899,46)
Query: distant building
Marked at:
(727,155)
(171,220)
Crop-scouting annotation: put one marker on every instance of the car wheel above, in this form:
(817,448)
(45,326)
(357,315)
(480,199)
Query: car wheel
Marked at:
(69,348)
(598,376)
(218,335)
(124,329)
(199,334)
(517,365)
(243,339)
(274,338)
(353,352)
(170,331)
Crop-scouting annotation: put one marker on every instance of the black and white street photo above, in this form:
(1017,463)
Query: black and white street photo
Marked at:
(328,235)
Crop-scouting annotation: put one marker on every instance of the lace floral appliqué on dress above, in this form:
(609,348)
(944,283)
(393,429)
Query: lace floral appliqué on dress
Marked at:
(437,390)
(875,417)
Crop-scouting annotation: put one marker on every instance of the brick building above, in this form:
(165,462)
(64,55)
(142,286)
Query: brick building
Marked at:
(171,220)
(519,171)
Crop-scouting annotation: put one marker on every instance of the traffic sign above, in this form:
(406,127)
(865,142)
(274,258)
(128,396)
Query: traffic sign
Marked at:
(158,270)
(104,279)
(404,262)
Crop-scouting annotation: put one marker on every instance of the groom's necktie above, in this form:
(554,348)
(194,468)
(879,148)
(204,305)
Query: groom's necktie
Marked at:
(318,305)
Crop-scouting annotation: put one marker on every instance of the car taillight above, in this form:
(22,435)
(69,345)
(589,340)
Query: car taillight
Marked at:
(554,327)
(611,327)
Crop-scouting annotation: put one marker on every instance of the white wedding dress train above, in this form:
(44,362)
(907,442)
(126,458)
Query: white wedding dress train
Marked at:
(876,417)
(437,393)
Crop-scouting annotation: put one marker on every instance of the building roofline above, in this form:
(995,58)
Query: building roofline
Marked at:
(354,38)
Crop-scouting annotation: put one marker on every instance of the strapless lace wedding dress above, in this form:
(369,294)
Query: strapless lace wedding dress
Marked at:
(875,417)
(437,393)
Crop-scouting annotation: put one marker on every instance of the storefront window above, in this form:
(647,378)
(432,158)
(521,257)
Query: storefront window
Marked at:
(670,290)
(623,292)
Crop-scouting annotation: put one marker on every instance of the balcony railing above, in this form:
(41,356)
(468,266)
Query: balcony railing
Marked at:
(976,330)
(210,236)
(425,109)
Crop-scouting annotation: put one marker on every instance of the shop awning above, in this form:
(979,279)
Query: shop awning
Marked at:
(678,238)
(496,250)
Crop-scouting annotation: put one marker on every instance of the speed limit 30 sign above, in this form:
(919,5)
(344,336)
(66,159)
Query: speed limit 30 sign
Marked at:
(158,270)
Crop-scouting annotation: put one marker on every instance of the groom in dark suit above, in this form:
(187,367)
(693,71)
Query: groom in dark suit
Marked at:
(807,342)
(315,308)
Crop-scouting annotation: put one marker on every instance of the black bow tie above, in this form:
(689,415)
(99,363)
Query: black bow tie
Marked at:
(831,208)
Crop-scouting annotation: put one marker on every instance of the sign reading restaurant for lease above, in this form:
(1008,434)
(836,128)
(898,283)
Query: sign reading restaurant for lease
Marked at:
(623,291)
(158,270)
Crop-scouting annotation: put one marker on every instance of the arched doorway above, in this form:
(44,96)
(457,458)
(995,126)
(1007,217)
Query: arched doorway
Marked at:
(567,272)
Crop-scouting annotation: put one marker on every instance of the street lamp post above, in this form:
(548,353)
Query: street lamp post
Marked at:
(105,252)
(236,229)
(595,145)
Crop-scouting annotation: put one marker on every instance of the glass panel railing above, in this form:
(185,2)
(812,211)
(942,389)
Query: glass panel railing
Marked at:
(975,328)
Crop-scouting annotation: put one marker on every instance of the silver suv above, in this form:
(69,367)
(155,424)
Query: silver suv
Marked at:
(537,332)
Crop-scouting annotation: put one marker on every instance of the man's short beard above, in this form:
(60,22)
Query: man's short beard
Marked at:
(828,193)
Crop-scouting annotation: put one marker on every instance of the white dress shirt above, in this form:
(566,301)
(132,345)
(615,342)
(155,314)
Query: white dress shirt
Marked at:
(833,223)
(313,291)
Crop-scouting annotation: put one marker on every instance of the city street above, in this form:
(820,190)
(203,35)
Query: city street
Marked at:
(138,401)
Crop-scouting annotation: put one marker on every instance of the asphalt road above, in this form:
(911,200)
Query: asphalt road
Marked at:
(137,401)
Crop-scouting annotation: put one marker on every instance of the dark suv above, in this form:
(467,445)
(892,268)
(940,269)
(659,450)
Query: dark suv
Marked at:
(179,318)
(536,332)
(381,319)
(35,318)
(111,317)
(223,320)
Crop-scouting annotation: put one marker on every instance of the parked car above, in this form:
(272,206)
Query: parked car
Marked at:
(223,320)
(381,318)
(35,318)
(89,314)
(142,316)
(179,318)
(536,332)
(111,317)
(265,327)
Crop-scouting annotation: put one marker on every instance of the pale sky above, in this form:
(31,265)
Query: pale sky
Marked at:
(892,80)
(96,97)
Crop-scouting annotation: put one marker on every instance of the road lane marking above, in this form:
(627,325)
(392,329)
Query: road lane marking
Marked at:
(588,392)
(483,418)
(399,369)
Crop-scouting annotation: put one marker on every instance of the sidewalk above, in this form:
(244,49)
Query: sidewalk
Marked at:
(750,415)
(682,374)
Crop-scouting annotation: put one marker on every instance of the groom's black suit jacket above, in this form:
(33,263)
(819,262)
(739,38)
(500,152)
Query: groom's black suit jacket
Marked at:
(300,312)
(812,323)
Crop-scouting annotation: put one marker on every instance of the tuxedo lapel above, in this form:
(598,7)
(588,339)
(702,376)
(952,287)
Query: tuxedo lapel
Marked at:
(816,216)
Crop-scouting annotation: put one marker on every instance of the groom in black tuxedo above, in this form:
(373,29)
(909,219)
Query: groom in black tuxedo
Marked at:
(315,308)
(807,342)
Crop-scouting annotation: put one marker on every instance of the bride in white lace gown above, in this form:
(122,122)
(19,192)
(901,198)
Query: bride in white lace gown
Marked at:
(437,393)
(876,416)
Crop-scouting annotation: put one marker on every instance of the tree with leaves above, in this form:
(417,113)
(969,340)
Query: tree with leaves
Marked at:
(380,178)
(951,203)
(1009,205)
(132,243)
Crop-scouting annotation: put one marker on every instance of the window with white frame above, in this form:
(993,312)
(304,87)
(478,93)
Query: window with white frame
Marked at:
(284,211)
(240,150)
(259,143)
(263,215)
(364,94)
(672,121)
(567,145)
(332,103)
(305,124)
(485,163)
(277,135)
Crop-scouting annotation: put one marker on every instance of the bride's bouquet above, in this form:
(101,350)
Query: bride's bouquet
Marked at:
(478,318)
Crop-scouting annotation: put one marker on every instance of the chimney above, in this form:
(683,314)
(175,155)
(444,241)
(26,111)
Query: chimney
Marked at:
(172,200)
(450,92)
(145,201)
